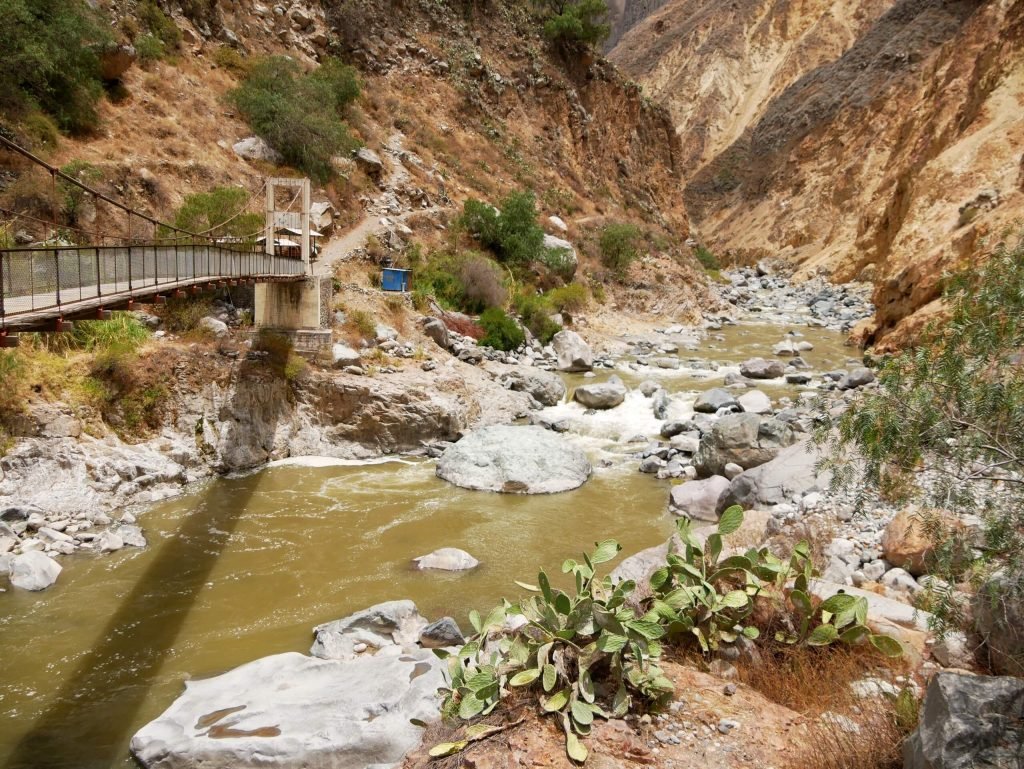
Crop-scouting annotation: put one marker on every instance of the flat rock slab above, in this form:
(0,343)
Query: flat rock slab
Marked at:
(291,711)
(515,459)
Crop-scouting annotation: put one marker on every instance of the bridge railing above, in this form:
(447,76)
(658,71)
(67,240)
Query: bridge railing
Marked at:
(42,278)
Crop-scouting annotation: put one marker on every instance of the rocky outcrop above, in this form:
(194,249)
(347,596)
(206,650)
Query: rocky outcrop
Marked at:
(514,459)
(297,712)
(968,721)
(545,387)
(699,499)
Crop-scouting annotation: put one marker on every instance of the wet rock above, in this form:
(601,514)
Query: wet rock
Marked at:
(699,499)
(393,623)
(447,559)
(34,570)
(968,721)
(710,401)
(109,541)
(675,427)
(296,712)
(648,387)
(444,632)
(605,395)
(572,352)
(514,459)
(759,368)
(131,535)
(547,388)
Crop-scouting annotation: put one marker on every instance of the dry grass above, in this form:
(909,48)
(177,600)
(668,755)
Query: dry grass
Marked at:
(876,745)
(463,326)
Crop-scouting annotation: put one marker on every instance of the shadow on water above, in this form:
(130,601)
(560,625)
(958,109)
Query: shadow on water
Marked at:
(88,724)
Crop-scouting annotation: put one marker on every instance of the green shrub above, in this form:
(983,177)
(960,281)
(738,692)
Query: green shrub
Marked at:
(230,59)
(597,289)
(49,60)
(500,331)
(582,21)
(299,114)
(123,333)
(159,26)
(618,246)
(571,298)
(707,259)
(217,213)
(149,48)
(362,323)
(513,234)
(439,277)
(535,313)
(560,261)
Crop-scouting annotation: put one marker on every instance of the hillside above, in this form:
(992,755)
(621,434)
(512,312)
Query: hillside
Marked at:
(878,140)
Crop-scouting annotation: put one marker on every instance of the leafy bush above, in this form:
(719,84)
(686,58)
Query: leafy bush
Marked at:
(571,298)
(230,59)
(535,313)
(582,21)
(560,261)
(122,333)
(500,331)
(149,48)
(299,114)
(955,404)
(49,60)
(183,315)
(512,233)
(593,651)
(618,245)
(218,213)
(160,27)
(362,323)
(707,259)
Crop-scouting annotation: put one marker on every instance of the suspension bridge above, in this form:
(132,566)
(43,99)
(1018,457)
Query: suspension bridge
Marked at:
(78,274)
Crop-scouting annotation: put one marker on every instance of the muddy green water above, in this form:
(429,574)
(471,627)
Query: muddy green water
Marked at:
(244,567)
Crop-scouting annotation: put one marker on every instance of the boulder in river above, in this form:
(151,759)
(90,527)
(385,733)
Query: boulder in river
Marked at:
(392,623)
(743,439)
(710,401)
(547,388)
(699,499)
(759,368)
(968,721)
(291,711)
(856,378)
(755,402)
(447,559)
(572,352)
(34,570)
(518,459)
(604,395)
(791,473)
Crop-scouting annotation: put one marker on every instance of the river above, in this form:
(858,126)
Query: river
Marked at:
(244,567)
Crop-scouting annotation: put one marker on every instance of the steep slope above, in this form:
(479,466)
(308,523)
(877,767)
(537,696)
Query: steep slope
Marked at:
(879,140)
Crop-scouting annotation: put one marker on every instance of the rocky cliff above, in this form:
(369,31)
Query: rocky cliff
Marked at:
(876,139)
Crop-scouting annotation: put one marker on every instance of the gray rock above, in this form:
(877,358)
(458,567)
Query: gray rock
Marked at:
(648,387)
(514,459)
(742,439)
(255,148)
(651,464)
(967,722)
(755,402)
(856,378)
(447,559)
(393,623)
(217,328)
(296,712)
(436,330)
(710,401)
(572,352)
(699,499)
(109,541)
(131,535)
(759,368)
(384,333)
(605,395)
(34,571)
(115,60)
(731,470)
(444,632)
(998,610)
(370,162)
(790,473)
(546,387)
(344,356)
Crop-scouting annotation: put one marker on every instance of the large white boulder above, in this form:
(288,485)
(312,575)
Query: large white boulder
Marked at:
(290,711)
(699,499)
(514,459)
(392,623)
(34,570)
(447,559)
(572,352)
(605,395)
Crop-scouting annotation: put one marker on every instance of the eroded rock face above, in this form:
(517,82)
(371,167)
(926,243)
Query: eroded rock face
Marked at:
(968,721)
(515,459)
(296,712)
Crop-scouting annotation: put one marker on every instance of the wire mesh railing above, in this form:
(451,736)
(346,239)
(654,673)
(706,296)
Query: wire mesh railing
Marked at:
(55,278)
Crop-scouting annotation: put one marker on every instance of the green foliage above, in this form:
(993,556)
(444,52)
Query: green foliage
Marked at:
(299,114)
(707,259)
(149,48)
(954,403)
(583,21)
(500,331)
(592,651)
(49,60)
(12,368)
(230,59)
(218,214)
(571,298)
(183,315)
(160,27)
(483,283)
(535,312)
(468,282)
(362,323)
(71,196)
(618,246)
(123,333)
(512,233)
(560,261)
(597,289)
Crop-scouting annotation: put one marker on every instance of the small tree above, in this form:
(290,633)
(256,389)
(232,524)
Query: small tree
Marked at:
(618,244)
(512,233)
(578,22)
(955,403)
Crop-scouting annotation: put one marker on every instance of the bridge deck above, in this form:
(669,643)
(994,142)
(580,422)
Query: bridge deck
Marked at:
(43,284)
